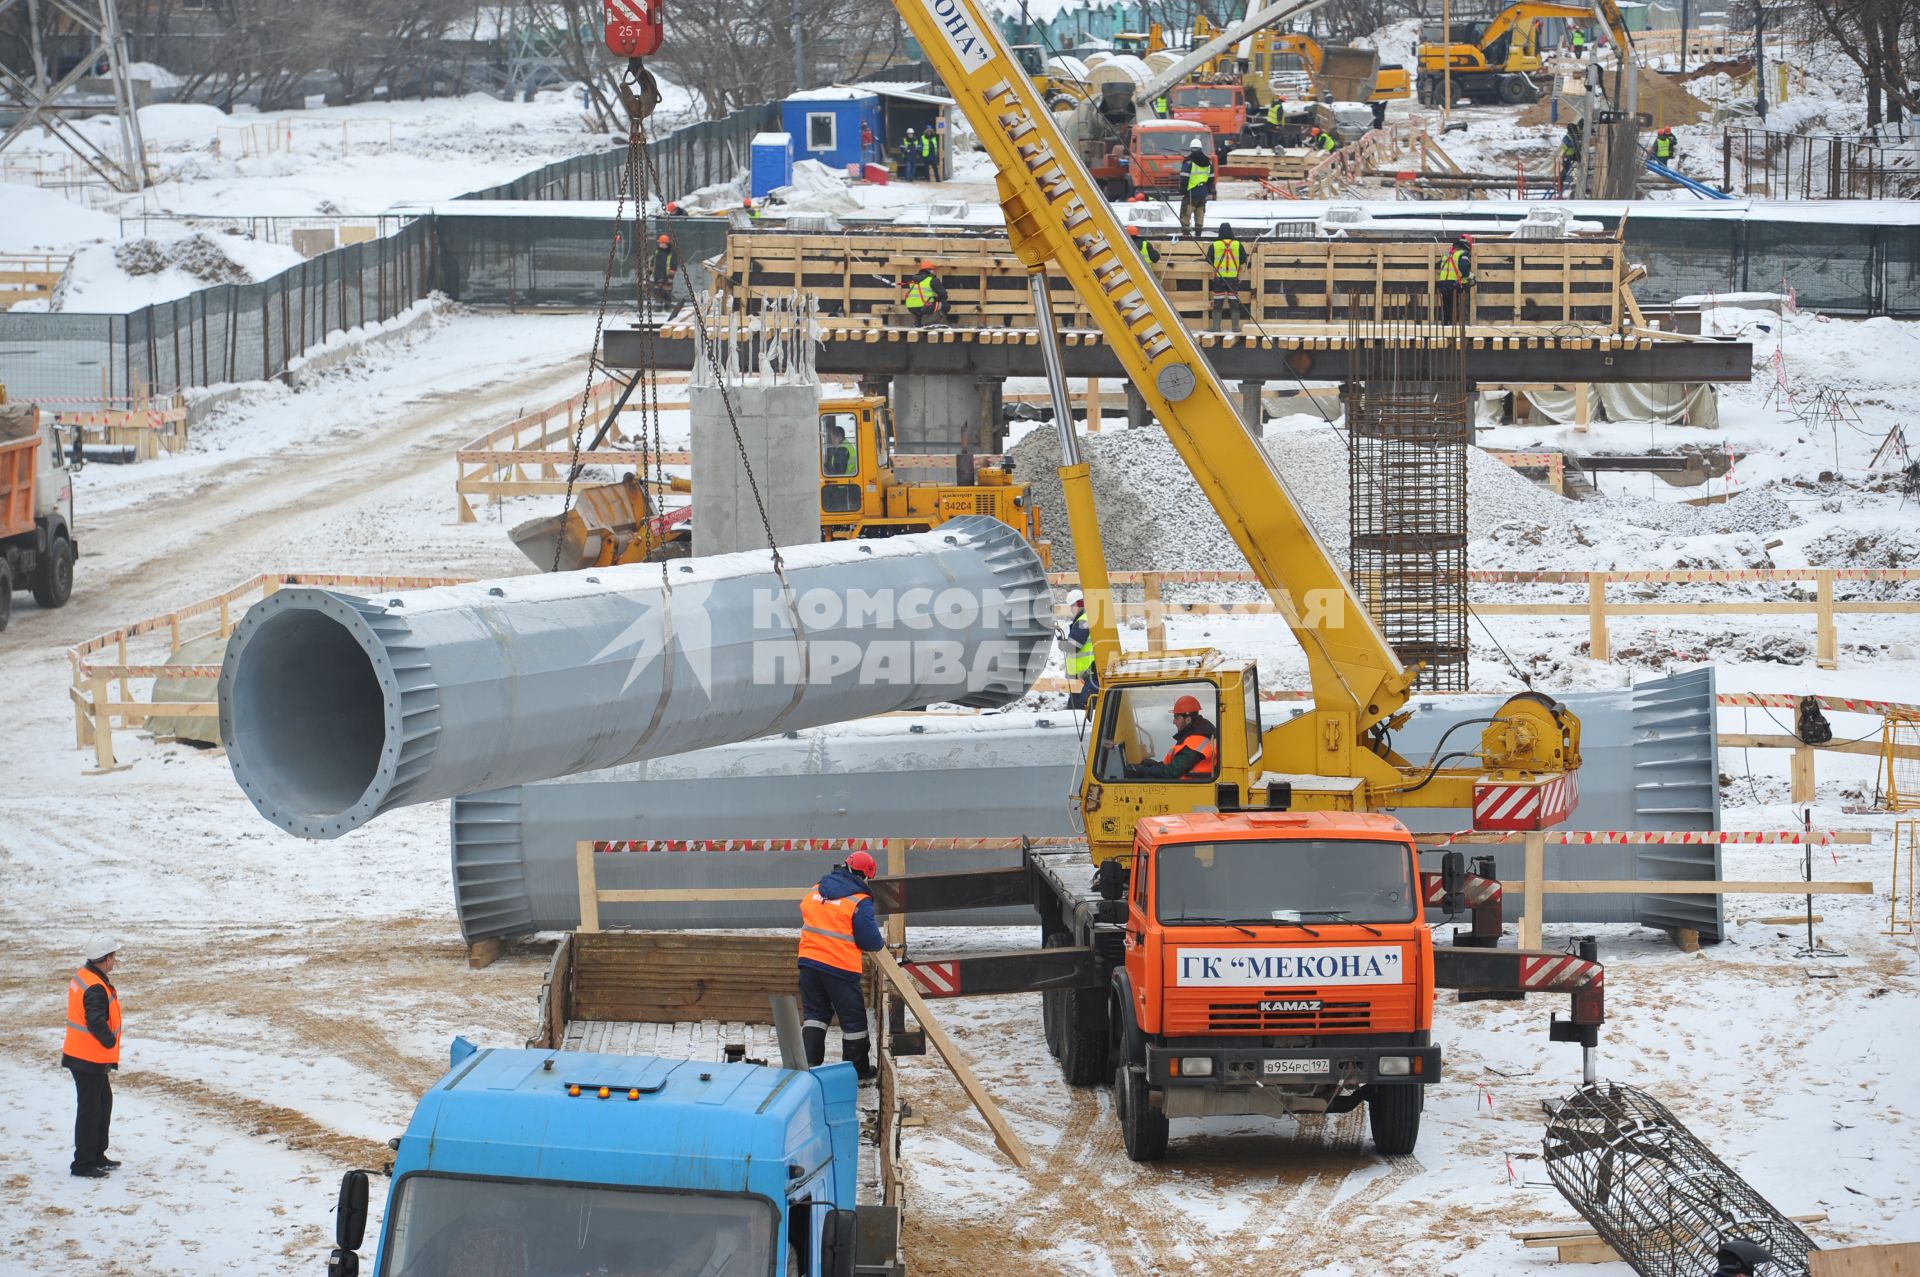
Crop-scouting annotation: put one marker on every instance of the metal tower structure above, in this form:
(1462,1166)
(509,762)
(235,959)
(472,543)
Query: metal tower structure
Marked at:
(37,95)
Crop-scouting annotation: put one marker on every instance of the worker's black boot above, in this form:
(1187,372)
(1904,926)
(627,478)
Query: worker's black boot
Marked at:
(854,1052)
(815,1042)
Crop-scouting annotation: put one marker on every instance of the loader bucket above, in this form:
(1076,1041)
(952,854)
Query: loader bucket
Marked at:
(607,514)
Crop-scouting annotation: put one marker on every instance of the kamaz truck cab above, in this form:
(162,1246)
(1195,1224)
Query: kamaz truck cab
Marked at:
(1276,963)
(543,1163)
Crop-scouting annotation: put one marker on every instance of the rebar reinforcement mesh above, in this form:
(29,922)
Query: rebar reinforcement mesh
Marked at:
(1409,427)
(1654,1192)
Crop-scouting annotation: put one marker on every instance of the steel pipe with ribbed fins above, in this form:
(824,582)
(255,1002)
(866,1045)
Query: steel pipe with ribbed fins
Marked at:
(334,707)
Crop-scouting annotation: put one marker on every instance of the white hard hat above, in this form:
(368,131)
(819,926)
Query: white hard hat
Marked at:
(99,947)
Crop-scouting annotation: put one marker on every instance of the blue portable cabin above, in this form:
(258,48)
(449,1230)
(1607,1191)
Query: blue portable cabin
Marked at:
(506,1149)
(825,124)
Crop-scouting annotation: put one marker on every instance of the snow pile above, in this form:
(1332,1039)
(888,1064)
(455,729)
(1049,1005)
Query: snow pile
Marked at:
(116,278)
(39,221)
(817,189)
(182,124)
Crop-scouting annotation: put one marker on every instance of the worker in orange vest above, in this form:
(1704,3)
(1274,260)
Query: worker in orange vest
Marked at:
(91,1051)
(837,924)
(1195,751)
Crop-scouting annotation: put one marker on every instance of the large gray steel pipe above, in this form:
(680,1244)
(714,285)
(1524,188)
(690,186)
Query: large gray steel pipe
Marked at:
(334,708)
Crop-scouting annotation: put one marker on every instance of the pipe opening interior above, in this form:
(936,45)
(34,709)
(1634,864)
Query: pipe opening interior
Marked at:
(308,718)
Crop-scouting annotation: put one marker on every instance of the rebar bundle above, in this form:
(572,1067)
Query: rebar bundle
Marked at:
(1654,1192)
(1409,427)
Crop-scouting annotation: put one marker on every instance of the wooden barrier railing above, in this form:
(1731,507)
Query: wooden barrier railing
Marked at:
(1154,608)
(146,423)
(1521,283)
(96,677)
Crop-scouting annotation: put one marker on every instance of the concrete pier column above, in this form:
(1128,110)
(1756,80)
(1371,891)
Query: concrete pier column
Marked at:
(1137,414)
(780,428)
(1250,412)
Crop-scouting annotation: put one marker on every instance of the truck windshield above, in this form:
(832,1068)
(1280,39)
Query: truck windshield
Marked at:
(1285,880)
(1170,143)
(447,1226)
(1205,98)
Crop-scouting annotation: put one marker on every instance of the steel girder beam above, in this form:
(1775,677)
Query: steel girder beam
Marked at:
(1547,359)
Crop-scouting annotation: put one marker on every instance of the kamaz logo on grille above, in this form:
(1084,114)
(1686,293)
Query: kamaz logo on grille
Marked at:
(1296,1004)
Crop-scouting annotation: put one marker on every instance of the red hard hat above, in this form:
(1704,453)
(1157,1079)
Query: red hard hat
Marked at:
(672,207)
(1186,705)
(861,863)
(665,240)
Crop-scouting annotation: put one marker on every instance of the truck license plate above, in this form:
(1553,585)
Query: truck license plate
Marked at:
(1295,1066)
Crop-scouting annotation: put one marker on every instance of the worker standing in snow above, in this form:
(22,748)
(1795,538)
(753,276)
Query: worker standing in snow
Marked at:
(930,155)
(1196,188)
(909,155)
(837,924)
(1665,149)
(665,262)
(91,1053)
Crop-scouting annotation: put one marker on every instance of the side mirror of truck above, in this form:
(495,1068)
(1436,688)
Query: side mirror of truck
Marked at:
(350,1215)
(839,1242)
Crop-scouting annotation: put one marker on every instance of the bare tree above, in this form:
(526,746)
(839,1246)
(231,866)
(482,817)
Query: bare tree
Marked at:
(1881,37)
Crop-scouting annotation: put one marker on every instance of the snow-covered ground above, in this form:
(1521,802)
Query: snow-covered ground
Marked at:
(288,1000)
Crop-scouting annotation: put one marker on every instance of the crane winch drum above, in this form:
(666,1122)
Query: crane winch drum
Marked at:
(334,707)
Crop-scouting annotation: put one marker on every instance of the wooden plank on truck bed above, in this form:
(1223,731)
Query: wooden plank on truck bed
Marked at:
(676,979)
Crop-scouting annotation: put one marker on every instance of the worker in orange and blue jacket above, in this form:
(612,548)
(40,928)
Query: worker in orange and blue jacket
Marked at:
(91,1052)
(837,925)
(1195,753)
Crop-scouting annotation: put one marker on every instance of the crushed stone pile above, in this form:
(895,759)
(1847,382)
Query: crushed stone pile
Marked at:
(199,255)
(1153,516)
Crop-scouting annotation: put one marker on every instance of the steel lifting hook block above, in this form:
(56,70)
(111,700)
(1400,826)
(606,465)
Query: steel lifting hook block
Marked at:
(639,90)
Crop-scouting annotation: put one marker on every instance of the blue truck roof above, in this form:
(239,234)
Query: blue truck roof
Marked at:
(690,1124)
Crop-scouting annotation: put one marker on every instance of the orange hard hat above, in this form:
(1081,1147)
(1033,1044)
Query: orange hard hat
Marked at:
(672,207)
(665,240)
(1314,131)
(1186,705)
(926,265)
(1134,231)
(861,863)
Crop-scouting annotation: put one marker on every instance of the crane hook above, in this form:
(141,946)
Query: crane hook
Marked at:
(639,90)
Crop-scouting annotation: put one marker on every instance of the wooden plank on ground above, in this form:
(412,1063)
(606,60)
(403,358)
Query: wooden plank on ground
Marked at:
(955,1059)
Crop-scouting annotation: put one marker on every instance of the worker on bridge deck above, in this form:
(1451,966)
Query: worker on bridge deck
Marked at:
(1456,280)
(1196,188)
(1228,257)
(926,295)
(1195,752)
(837,924)
(1148,253)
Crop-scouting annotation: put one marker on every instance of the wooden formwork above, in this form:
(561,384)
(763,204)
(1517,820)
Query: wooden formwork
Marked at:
(1521,283)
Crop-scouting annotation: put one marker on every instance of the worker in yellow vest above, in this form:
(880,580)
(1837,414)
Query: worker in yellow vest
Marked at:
(1148,253)
(1228,257)
(1456,280)
(926,295)
(1196,188)
(1665,149)
(1079,647)
(837,925)
(91,1052)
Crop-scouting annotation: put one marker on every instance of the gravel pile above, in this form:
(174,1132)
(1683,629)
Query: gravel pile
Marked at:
(1152,514)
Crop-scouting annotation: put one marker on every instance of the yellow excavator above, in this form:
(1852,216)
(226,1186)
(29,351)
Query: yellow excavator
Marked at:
(1336,756)
(1496,59)
(861,496)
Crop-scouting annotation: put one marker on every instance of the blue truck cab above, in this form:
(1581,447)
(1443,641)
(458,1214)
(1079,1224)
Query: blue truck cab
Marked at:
(538,1163)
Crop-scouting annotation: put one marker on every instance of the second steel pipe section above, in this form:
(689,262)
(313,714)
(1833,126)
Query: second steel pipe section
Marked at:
(334,707)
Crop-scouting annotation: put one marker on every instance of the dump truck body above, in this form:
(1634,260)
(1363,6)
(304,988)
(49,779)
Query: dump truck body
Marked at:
(37,542)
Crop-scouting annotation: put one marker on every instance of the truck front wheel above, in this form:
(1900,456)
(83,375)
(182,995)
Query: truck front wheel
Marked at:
(1394,1114)
(1143,1128)
(53,580)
